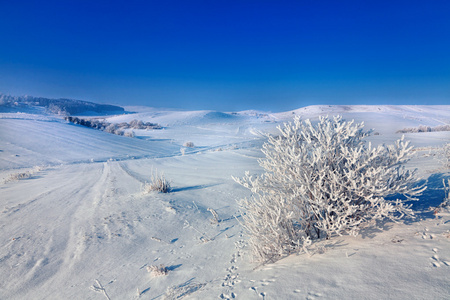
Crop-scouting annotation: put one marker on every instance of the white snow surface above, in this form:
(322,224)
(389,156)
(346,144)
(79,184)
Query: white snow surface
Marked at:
(80,227)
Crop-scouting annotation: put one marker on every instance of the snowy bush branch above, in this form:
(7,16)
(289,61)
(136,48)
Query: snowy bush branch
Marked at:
(323,180)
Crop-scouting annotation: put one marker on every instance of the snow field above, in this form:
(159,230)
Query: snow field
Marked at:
(82,220)
(90,221)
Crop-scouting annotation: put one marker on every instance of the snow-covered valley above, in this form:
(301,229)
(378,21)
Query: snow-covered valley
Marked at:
(80,226)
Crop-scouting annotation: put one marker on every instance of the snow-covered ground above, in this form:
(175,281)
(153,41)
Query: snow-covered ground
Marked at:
(80,227)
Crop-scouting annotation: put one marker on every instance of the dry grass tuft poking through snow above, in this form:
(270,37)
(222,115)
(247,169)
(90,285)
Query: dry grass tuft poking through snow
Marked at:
(23,175)
(156,271)
(158,183)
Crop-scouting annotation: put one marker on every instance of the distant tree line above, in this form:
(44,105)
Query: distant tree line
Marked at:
(119,129)
(423,128)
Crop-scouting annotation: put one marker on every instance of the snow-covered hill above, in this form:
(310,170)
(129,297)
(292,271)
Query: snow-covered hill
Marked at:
(80,227)
(58,106)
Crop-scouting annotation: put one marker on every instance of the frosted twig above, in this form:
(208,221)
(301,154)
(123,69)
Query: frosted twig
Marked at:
(100,288)
(215,215)
(196,206)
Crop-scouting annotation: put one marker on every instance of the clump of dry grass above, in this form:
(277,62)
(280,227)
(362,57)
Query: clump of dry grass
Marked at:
(183,290)
(158,183)
(23,175)
(156,271)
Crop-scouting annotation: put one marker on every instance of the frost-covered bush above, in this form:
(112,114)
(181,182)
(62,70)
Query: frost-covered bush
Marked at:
(129,134)
(185,146)
(188,144)
(138,124)
(157,183)
(323,180)
(111,128)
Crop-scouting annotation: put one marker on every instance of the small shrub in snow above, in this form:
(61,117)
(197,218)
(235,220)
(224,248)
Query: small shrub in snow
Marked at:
(189,144)
(157,183)
(156,271)
(19,176)
(135,124)
(111,128)
(119,132)
(323,180)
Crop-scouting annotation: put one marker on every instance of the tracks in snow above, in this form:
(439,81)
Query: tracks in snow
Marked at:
(68,210)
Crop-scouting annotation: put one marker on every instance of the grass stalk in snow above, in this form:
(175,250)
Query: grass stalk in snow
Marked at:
(215,215)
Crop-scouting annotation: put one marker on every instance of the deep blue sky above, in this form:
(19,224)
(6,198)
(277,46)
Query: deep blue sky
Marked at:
(227,55)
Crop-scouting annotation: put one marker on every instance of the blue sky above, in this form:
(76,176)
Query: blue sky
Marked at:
(227,55)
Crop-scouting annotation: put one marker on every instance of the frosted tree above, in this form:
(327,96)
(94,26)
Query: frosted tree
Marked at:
(323,180)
